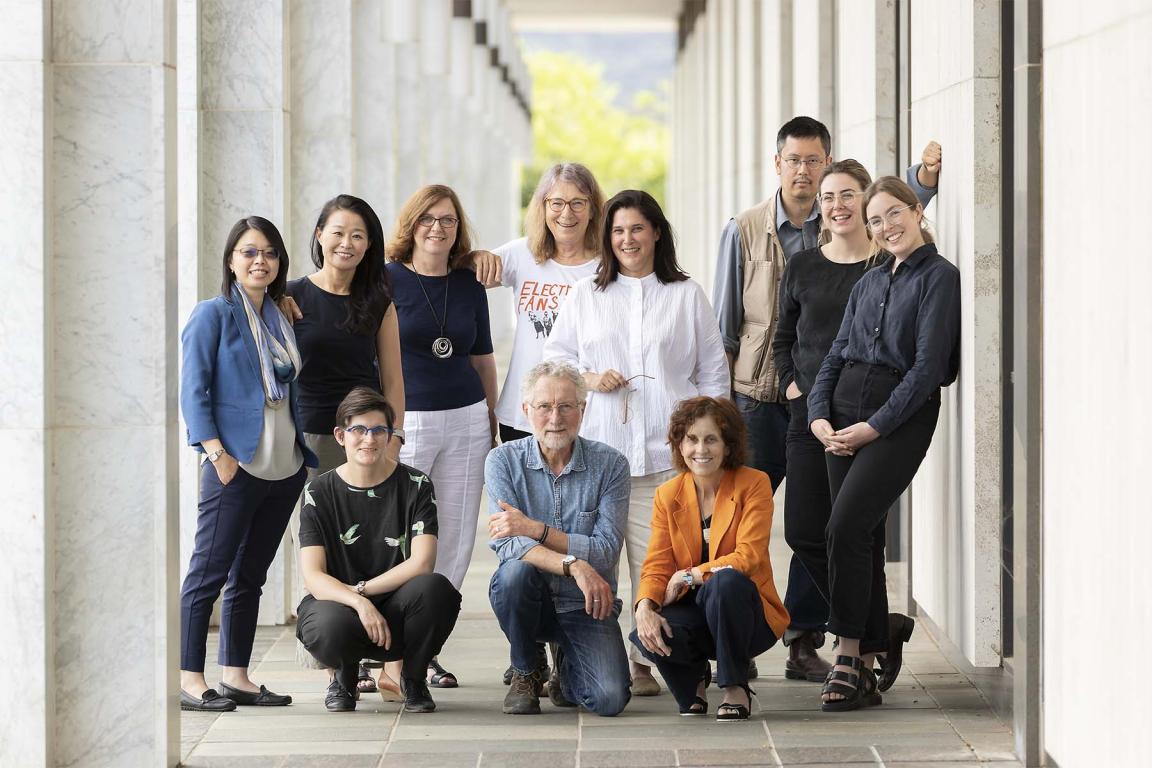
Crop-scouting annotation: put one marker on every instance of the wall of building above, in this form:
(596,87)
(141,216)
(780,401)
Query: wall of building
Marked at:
(1097,323)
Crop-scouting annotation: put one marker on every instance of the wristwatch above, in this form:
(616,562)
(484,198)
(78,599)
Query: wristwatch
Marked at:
(399,434)
(688,580)
(567,563)
(360,589)
(215,455)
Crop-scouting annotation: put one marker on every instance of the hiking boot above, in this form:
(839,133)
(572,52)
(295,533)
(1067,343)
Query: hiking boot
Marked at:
(524,694)
(555,687)
(803,662)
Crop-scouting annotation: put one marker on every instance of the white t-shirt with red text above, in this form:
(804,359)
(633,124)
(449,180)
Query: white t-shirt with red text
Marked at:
(539,291)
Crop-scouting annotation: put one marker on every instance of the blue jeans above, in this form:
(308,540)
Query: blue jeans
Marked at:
(767,439)
(722,620)
(595,669)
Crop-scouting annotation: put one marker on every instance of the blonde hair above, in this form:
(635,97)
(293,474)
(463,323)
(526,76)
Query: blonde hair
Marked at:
(860,175)
(400,244)
(541,243)
(900,190)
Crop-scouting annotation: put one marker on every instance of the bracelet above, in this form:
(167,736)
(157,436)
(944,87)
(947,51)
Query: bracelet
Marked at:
(544,535)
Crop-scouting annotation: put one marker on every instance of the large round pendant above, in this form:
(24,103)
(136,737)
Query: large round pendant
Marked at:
(442,347)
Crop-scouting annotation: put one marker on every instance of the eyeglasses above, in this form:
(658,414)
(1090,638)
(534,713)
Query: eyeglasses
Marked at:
(361,431)
(889,218)
(811,163)
(562,409)
(845,198)
(557,204)
(428,220)
(250,253)
(625,409)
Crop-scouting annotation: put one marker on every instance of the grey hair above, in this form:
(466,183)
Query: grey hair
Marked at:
(556,370)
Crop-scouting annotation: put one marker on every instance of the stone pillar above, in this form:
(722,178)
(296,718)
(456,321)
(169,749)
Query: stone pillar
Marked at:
(814,61)
(88,433)
(864,106)
(374,116)
(241,168)
(775,84)
(402,28)
(748,109)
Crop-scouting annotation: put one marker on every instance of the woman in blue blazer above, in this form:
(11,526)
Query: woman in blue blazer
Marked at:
(238,397)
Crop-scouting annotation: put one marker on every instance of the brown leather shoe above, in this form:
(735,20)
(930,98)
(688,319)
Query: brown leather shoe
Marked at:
(523,696)
(803,662)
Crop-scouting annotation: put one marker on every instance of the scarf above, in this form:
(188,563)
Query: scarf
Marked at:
(275,345)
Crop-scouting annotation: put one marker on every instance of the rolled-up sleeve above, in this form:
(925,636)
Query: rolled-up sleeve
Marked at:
(498,480)
(923,194)
(728,287)
(601,550)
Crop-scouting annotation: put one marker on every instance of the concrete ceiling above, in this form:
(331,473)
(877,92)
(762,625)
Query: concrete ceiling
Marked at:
(593,15)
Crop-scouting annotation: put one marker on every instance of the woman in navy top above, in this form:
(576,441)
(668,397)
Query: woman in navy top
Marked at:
(238,398)
(449,370)
(874,406)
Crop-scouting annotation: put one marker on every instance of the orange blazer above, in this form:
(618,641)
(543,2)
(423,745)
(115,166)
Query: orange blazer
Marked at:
(741,526)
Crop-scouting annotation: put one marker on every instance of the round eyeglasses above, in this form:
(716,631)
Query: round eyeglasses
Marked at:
(557,204)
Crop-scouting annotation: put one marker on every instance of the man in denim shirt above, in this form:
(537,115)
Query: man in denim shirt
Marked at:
(559,504)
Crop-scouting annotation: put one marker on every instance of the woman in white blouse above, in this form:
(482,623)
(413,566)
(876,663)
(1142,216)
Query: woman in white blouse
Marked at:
(645,337)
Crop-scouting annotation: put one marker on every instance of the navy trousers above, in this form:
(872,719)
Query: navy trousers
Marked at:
(238,532)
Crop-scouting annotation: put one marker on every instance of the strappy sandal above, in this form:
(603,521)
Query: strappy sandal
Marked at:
(846,684)
(364,681)
(699,705)
(731,713)
(438,677)
(899,632)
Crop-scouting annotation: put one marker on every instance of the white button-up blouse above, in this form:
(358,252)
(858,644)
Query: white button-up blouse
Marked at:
(641,326)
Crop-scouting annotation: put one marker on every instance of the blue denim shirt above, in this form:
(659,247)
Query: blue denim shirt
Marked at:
(588,501)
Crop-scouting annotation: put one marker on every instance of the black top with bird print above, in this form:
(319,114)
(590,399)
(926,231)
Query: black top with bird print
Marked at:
(367,531)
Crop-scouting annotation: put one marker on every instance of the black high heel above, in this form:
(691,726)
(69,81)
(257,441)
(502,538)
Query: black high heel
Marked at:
(899,632)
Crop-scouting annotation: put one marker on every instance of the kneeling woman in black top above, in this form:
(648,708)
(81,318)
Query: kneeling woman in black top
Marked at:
(367,547)
(874,406)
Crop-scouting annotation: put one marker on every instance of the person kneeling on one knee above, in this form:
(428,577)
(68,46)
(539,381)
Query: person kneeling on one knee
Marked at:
(558,506)
(706,589)
(367,548)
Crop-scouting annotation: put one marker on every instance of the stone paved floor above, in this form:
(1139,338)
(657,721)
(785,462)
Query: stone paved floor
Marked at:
(933,716)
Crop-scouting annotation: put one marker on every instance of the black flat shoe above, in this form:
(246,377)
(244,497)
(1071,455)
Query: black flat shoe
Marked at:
(417,700)
(209,702)
(899,632)
(338,698)
(265,698)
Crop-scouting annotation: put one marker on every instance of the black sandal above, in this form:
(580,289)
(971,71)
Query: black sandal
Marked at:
(731,713)
(899,632)
(699,705)
(439,677)
(365,683)
(846,684)
(871,697)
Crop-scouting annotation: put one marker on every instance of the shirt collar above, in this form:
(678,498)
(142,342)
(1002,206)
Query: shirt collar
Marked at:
(918,255)
(782,215)
(535,459)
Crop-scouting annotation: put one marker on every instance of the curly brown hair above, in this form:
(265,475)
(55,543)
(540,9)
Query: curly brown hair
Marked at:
(727,417)
(399,247)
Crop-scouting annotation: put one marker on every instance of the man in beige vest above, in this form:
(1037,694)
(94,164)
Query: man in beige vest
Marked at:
(754,248)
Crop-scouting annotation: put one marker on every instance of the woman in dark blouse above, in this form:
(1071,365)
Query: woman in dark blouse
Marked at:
(367,545)
(874,406)
(449,370)
(813,293)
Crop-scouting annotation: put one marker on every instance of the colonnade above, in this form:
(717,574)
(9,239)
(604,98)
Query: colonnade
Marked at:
(136,132)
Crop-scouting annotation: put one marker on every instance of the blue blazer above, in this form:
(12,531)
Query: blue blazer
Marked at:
(221,392)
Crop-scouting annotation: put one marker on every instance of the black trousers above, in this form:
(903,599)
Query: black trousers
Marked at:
(864,487)
(807,499)
(724,620)
(420,615)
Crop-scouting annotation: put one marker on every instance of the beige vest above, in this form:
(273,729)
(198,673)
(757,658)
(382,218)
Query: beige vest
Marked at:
(754,369)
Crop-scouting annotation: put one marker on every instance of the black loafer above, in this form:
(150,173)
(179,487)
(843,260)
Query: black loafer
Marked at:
(339,698)
(899,632)
(209,702)
(265,698)
(417,700)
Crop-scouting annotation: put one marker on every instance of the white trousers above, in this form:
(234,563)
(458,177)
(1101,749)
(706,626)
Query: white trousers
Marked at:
(636,537)
(450,447)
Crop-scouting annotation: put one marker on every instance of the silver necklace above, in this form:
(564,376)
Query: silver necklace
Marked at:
(442,346)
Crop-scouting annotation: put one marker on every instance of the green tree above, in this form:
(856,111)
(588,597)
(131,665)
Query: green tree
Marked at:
(574,119)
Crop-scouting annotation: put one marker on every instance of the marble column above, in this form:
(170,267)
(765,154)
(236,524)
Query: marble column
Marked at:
(747,104)
(241,168)
(88,430)
(814,61)
(867,122)
(776,104)
(402,30)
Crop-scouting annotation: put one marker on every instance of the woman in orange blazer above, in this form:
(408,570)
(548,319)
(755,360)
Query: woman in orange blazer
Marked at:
(706,589)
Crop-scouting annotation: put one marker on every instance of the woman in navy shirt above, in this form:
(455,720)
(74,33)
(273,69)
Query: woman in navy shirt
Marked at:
(874,406)
(449,370)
